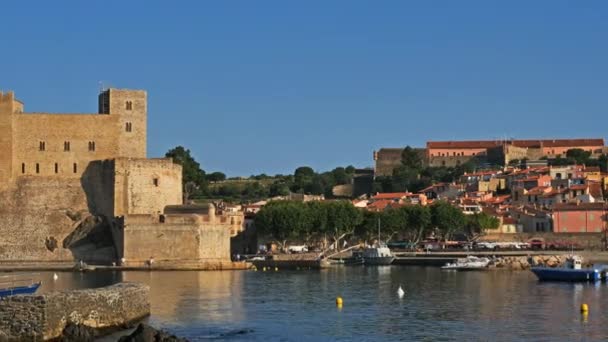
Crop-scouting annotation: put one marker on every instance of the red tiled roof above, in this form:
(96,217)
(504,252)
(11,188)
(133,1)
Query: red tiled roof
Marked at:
(595,189)
(539,190)
(381,204)
(579,206)
(519,143)
(390,195)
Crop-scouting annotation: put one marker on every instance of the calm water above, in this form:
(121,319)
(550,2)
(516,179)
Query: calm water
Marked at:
(300,305)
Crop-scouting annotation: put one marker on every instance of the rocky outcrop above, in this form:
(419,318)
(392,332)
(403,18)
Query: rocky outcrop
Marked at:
(47,316)
(146,333)
(525,262)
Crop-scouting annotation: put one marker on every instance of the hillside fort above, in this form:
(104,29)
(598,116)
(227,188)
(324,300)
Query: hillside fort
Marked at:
(80,187)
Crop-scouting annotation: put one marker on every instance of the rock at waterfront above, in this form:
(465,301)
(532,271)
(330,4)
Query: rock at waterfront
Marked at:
(146,333)
(78,333)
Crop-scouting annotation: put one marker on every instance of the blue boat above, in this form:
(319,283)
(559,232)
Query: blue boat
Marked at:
(571,271)
(18,284)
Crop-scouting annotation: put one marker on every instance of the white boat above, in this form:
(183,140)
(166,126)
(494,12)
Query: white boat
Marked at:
(379,254)
(469,263)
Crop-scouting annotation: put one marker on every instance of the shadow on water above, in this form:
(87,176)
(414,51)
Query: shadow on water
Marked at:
(300,305)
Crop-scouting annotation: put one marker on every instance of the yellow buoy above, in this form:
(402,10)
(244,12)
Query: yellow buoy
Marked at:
(584,308)
(276,269)
(339,301)
(264,269)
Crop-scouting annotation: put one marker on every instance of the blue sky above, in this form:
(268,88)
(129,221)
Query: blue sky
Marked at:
(267,86)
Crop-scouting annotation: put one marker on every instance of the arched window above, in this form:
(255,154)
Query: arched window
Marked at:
(129,105)
(42,146)
(37,168)
(22,167)
(91,146)
(66,146)
(128,127)
(155,181)
(56,168)
(75,168)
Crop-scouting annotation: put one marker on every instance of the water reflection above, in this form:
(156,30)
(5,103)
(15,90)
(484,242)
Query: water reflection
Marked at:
(300,305)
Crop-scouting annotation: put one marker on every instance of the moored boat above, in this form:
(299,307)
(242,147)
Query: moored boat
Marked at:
(572,270)
(377,255)
(17,284)
(470,263)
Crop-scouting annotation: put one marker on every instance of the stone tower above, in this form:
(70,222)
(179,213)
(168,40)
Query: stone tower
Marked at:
(131,108)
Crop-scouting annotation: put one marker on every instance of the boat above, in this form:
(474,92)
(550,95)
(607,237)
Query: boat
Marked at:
(572,270)
(470,263)
(16,284)
(378,254)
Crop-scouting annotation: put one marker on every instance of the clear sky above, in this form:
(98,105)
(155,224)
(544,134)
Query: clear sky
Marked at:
(267,86)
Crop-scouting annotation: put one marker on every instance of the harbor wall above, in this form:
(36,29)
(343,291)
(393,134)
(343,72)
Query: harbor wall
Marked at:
(587,241)
(44,317)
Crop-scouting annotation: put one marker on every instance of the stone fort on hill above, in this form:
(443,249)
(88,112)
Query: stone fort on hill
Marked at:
(80,187)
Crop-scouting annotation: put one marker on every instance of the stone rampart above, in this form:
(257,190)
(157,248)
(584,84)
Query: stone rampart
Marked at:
(44,317)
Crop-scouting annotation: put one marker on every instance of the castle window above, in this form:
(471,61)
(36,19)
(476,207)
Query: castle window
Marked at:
(42,146)
(91,146)
(129,105)
(37,168)
(128,127)
(155,181)
(22,167)
(66,146)
(75,168)
(56,168)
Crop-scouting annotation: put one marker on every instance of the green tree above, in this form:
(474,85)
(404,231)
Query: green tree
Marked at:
(282,221)
(447,219)
(278,189)
(411,158)
(342,219)
(303,177)
(475,225)
(580,156)
(418,220)
(192,174)
(216,177)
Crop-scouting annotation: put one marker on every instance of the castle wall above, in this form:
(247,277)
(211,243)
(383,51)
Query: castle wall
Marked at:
(6,138)
(180,238)
(146,186)
(36,211)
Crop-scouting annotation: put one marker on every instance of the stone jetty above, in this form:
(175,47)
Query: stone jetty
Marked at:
(46,316)
(525,262)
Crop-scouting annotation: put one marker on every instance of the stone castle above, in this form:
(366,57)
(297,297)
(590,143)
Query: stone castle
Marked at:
(79,187)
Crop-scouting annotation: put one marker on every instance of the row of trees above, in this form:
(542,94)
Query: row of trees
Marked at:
(199,184)
(310,222)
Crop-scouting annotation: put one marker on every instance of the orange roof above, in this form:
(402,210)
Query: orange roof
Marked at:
(391,195)
(519,143)
(539,190)
(381,204)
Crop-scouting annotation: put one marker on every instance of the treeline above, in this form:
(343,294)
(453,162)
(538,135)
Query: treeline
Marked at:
(310,222)
(201,185)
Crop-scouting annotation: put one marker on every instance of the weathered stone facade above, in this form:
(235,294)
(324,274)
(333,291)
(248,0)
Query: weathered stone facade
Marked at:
(44,317)
(70,183)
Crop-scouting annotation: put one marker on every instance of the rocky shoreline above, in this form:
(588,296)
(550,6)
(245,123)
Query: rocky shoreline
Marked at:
(526,262)
(142,333)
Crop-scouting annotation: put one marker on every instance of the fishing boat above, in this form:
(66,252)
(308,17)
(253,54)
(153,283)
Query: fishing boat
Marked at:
(379,254)
(17,284)
(470,263)
(572,270)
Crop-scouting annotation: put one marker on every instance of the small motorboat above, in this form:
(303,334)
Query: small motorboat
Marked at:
(572,270)
(17,284)
(470,263)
